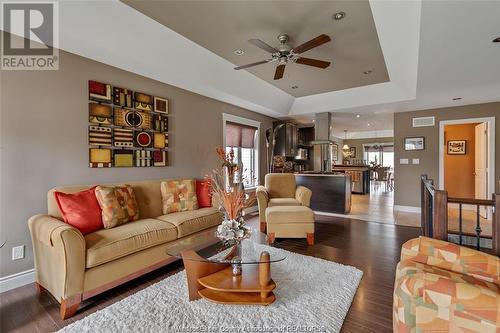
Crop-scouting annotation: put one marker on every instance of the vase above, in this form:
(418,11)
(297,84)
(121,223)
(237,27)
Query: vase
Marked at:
(236,259)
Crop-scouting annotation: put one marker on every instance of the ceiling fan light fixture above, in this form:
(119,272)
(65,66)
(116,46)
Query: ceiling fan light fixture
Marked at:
(338,16)
(239,52)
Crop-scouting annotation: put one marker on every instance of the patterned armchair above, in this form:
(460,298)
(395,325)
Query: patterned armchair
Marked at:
(444,287)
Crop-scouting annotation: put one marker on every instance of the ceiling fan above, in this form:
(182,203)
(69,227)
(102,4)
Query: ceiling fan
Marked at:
(284,53)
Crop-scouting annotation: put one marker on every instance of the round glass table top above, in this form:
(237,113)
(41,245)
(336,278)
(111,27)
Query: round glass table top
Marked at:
(206,247)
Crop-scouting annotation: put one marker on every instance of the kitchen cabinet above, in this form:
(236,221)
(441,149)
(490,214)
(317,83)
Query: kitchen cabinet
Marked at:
(286,139)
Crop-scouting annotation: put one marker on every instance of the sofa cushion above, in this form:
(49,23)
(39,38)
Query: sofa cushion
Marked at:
(289,214)
(204,193)
(109,244)
(191,221)
(81,210)
(281,185)
(178,195)
(118,205)
(283,202)
(430,298)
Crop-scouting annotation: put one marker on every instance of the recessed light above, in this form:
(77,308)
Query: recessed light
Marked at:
(295,87)
(457,98)
(239,52)
(358,115)
(369,124)
(496,40)
(367,72)
(338,16)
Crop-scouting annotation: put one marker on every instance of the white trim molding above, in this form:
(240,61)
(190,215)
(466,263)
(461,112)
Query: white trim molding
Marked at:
(408,209)
(17,280)
(370,134)
(491,147)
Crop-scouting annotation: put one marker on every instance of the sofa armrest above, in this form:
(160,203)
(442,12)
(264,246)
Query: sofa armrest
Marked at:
(452,257)
(262,200)
(59,251)
(303,195)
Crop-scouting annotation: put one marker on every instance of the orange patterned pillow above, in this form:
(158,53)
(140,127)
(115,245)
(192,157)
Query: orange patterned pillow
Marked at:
(118,205)
(178,195)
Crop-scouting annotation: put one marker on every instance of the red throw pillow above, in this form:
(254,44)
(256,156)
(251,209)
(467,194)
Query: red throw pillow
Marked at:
(81,210)
(204,193)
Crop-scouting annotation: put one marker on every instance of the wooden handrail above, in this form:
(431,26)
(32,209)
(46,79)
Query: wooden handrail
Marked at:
(435,213)
(467,201)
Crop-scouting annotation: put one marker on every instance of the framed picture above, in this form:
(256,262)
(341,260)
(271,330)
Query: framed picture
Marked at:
(417,143)
(335,152)
(352,152)
(457,147)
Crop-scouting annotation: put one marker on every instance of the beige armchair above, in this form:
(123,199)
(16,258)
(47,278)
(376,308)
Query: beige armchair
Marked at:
(280,189)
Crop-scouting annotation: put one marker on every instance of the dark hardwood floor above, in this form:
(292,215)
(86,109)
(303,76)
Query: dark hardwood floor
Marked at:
(374,248)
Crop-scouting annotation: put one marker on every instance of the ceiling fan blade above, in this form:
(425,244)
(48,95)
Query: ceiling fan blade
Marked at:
(263,45)
(321,39)
(253,64)
(280,70)
(313,62)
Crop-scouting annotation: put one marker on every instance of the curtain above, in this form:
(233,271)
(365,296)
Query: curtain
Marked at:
(238,135)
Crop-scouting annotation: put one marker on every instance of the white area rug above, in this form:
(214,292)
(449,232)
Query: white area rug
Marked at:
(313,295)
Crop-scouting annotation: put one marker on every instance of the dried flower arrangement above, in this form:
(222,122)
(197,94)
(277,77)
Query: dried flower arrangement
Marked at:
(231,197)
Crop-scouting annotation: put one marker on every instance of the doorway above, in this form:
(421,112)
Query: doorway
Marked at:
(466,169)
(467,146)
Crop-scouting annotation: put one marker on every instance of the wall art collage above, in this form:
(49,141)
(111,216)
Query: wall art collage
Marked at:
(127,128)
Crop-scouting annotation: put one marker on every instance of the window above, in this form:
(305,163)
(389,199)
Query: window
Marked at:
(243,136)
(380,154)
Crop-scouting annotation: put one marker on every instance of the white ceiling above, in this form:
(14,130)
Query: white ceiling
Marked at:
(434,51)
(227,25)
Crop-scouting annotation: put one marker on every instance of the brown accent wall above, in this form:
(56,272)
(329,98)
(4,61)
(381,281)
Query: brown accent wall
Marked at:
(44,120)
(407,177)
(358,143)
(459,169)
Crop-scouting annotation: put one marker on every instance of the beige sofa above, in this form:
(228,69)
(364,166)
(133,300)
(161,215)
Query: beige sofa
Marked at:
(73,267)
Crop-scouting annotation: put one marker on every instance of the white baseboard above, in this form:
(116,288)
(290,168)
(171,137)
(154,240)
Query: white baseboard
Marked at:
(408,209)
(17,280)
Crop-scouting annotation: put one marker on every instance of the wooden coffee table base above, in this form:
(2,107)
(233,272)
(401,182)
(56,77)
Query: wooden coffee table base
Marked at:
(216,283)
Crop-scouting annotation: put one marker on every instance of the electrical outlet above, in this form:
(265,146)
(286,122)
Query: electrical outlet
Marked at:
(415,161)
(18,252)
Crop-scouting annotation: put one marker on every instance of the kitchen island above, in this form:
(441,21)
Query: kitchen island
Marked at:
(360,176)
(331,192)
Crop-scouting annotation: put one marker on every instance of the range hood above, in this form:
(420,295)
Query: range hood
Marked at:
(322,143)
(322,122)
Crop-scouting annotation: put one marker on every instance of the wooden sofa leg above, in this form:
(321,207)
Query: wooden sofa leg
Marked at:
(69,306)
(270,237)
(263,227)
(39,288)
(310,238)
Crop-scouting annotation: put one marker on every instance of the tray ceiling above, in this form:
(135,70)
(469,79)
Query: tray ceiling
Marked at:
(224,26)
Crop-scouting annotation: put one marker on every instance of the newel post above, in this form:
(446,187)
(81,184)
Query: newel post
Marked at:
(496,224)
(440,218)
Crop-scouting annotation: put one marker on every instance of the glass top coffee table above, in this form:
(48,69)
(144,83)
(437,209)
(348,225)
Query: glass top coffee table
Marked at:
(226,273)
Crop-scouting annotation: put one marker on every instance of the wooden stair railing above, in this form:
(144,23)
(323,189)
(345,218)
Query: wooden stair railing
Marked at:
(434,209)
